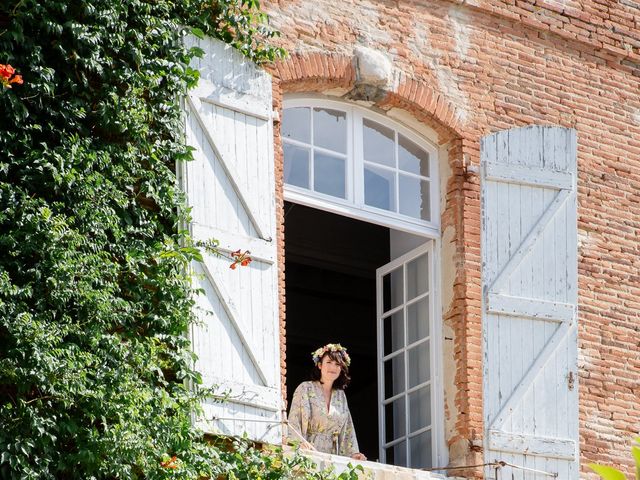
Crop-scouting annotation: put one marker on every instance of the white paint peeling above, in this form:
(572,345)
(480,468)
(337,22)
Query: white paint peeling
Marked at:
(448,81)
(366,22)
(636,116)
(459,21)
(309,16)
(448,273)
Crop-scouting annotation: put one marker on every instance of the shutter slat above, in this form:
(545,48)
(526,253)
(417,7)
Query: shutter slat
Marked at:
(532,445)
(530,307)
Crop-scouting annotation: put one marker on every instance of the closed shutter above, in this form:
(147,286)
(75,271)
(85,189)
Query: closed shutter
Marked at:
(230,187)
(529,276)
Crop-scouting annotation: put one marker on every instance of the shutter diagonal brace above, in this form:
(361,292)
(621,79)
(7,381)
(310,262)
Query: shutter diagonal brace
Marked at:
(527,244)
(194,105)
(527,381)
(234,317)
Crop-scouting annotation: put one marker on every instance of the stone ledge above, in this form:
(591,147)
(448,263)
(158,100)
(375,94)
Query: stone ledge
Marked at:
(372,470)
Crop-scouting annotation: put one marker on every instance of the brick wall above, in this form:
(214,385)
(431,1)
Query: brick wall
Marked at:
(470,68)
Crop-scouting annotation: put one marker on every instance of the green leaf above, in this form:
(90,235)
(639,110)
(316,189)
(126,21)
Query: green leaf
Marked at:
(607,473)
(197,32)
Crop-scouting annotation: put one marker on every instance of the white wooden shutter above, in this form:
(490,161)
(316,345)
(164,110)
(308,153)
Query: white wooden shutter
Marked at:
(230,186)
(529,276)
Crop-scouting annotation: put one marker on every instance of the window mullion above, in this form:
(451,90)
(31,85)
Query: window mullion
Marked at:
(312,154)
(349,172)
(406,363)
(397,175)
(358,161)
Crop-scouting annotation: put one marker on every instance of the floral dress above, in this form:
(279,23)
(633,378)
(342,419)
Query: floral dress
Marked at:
(329,432)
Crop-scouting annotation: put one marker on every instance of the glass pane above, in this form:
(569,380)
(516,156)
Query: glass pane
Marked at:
(296,166)
(417,277)
(330,129)
(420,447)
(395,419)
(418,320)
(328,175)
(414,197)
(392,284)
(420,409)
(296,124)
(412,158)
(393,332)
(380,188)
(378,143)
(419,364)
(397,455)
(394,376)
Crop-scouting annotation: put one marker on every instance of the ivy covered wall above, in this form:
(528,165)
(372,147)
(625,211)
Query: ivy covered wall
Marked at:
(94,298)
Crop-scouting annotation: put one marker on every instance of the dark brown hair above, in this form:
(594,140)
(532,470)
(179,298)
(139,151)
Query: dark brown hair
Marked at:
(343,380)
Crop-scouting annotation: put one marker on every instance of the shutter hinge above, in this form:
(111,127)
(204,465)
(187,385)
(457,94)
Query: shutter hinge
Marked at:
(571,380)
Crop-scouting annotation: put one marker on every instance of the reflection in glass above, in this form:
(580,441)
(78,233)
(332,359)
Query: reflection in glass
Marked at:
(417,277)
(412,158)
(296,124)
(296,165)
(420,409)
(418,320)
(420,450)
(378,143)
(397,455)
(418,364)
(379,188)
(393,332)
(395,419)
(394,376)
(392,287)
(414,197)
(329,175)
(330,129)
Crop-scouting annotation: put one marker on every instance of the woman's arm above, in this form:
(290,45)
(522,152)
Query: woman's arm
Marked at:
(348,440)
(299,414)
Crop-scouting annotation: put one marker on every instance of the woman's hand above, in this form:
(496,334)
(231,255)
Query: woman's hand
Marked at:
(358,456)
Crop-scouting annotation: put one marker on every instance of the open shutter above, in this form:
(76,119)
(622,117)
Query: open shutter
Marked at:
(529,276)
(231,188)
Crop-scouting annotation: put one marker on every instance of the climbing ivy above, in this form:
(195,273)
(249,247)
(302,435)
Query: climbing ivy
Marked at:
(94,298)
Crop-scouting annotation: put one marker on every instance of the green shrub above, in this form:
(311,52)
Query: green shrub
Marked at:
(94,298)
(610,473)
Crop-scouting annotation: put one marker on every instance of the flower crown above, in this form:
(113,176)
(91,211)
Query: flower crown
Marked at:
(331,347)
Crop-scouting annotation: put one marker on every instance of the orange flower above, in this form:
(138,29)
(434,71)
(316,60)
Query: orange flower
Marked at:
(172,463)
(240,258)
(6,72)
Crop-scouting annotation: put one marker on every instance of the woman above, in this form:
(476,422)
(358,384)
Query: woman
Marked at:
(319,416)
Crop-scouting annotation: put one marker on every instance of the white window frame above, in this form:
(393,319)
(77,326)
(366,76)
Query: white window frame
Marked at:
(353,205)
(430,231)
(435,355)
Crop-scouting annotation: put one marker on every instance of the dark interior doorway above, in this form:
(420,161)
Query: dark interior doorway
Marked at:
(330,264)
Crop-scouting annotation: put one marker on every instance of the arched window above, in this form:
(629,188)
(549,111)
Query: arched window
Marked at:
(347,155)
(347,160)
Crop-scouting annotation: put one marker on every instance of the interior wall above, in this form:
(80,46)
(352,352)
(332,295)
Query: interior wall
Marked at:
(403,242)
